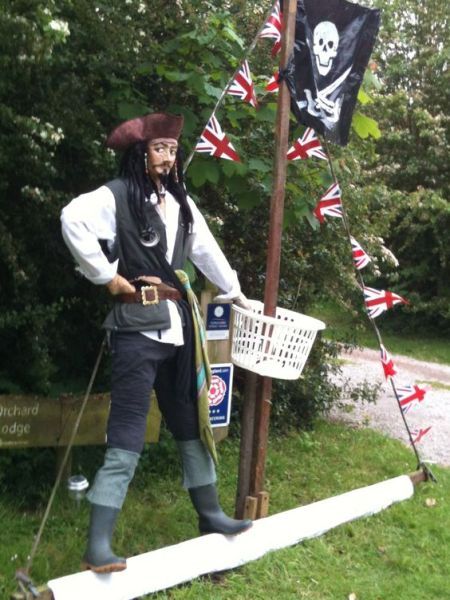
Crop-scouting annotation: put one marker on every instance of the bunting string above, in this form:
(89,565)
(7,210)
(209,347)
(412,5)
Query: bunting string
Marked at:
(414,436)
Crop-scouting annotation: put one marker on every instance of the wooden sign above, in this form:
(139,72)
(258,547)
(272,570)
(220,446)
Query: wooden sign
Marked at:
(33,421)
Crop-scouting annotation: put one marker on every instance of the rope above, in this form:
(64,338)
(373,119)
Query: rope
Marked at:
(420,463)
(65,458)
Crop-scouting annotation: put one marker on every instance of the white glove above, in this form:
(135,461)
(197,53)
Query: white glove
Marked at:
(242,302)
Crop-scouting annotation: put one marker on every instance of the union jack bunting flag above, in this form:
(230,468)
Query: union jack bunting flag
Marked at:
(273,84)
(272,29)
(418,434)
(306,146)
(330,204)
(242,85)
(377,301)
(410,395)
(215,142)
(387,363)
(360,258)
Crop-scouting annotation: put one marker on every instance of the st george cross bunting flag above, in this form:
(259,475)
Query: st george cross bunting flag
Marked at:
(410,395)
(306,146)
(387,363)
(272,28)
(215,142)
(333,43)
(242,85)
(377,301)
(360,258)
(330,204)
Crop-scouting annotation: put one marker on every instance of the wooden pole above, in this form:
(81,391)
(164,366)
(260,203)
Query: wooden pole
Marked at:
(246,447)
(274,244)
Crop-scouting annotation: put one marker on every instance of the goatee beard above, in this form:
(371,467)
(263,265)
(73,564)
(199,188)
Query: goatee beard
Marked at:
(164,178)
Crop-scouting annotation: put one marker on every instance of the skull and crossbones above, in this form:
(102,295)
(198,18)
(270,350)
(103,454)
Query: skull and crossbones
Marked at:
(320,102)
(325,45)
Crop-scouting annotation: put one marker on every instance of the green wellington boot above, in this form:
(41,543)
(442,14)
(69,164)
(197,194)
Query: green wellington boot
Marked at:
(99,557)
(212,519)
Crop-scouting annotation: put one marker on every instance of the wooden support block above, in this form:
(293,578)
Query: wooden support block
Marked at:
(250,508)
(263,505)
(418,477)
(220,434)
(45,593)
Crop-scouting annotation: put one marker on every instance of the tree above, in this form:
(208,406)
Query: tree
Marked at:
(411,167)
(65,76)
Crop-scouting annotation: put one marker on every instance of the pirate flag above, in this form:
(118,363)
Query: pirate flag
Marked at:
(333,43)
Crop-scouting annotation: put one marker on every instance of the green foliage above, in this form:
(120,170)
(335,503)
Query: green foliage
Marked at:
(421,222)
(365,126)
(410,167)
(27,474)
(297,404)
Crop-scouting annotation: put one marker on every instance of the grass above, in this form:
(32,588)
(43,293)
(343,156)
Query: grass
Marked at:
(344,326)
(402,553)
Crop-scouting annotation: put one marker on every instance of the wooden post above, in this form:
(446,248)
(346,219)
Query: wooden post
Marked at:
(246,447)
(219,351)
(274,245)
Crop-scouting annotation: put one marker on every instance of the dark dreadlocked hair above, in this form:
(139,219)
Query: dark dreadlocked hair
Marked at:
(140,186)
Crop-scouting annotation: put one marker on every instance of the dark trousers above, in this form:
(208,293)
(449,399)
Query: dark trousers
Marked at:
(140,365)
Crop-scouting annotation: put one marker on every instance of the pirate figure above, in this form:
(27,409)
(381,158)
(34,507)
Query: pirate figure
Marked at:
(131,235)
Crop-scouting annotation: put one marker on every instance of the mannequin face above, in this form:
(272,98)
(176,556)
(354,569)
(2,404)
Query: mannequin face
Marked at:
(161,156)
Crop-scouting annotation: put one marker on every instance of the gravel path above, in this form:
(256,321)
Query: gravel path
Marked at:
(360,365)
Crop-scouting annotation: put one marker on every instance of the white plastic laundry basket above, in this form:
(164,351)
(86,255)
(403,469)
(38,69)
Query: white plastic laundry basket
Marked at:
(272,346)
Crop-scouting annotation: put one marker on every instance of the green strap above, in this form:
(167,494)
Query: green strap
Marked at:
(202,367)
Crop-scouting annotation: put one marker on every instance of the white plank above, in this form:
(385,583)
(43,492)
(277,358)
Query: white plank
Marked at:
(170,566)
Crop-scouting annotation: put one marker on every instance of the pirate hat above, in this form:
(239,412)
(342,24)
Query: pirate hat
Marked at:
(144,129)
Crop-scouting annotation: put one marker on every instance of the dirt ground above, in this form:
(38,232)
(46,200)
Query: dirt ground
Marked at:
(385,416)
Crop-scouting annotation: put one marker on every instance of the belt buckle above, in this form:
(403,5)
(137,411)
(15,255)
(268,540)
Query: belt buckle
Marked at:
(149,288)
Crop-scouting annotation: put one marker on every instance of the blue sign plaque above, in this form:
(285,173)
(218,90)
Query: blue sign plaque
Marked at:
(220,394)
(218,321)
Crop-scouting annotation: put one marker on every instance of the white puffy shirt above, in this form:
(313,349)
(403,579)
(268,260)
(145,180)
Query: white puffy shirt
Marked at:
(92,217)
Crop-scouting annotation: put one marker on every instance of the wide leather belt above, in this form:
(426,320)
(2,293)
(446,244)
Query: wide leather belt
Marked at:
(149,294)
